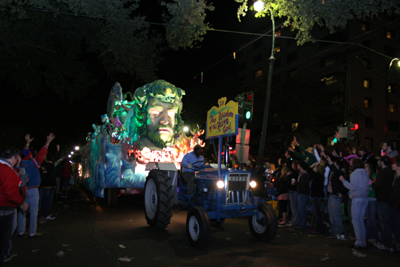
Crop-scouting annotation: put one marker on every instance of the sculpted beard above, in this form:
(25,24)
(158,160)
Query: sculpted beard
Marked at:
(154,136)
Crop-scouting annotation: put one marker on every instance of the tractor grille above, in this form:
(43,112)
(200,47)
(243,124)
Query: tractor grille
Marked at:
(238,186)
(238,181)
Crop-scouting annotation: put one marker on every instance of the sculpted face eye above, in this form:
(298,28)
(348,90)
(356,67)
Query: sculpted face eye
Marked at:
(171,112)
(154,112)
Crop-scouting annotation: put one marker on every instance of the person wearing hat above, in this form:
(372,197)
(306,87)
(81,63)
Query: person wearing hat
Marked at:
(191,159)
(31,167)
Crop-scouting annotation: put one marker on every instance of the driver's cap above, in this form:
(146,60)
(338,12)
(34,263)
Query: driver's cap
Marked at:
(197,147)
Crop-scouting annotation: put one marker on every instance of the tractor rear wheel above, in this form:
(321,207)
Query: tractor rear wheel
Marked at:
(266,228)
(198,229)
(158,199)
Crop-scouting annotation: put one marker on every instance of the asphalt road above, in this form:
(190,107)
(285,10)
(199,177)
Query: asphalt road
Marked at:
(91,235)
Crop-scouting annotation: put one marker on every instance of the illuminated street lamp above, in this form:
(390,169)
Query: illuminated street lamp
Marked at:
(72,152)
(76,148)
(259,6)
(185,129)
(387,95)
(393,60)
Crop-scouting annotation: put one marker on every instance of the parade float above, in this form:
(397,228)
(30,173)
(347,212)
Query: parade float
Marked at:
(138,128)
(140,145)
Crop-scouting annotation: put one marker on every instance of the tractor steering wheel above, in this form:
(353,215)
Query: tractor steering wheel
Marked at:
(198,167)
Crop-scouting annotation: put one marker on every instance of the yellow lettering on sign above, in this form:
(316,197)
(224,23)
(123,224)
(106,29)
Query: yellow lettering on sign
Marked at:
(221,120)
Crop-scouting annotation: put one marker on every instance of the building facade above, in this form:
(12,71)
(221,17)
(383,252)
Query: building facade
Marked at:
(341,77)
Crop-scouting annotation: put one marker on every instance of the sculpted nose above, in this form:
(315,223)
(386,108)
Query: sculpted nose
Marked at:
(164,118)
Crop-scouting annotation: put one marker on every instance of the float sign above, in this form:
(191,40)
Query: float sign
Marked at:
(222,120)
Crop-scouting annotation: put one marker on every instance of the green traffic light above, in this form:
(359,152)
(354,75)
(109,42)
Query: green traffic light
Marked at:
(248,115)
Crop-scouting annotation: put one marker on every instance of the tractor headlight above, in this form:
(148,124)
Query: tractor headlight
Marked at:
(220,184)
(253,184)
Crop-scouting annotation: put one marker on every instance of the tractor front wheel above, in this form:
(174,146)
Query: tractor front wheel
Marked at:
(198,229)
(264,229)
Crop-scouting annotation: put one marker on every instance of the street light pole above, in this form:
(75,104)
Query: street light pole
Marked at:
(387,96)
(268,93)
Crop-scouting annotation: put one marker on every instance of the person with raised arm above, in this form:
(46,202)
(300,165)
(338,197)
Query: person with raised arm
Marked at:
(31,166)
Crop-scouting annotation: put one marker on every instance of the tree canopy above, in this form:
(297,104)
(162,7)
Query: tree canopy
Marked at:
(63,45)
(303,15)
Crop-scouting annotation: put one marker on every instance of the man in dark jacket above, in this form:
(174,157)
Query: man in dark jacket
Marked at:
(303,192)
(48,174)
(394,202)
(382,186)
(317,193)
(335,190)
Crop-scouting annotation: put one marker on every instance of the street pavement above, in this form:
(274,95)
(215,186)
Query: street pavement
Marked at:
(86,234)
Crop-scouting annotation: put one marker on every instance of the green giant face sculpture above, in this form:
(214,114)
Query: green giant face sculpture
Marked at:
(157,116)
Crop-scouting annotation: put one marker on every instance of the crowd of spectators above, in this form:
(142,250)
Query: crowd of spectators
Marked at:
(318,189)
(27,183)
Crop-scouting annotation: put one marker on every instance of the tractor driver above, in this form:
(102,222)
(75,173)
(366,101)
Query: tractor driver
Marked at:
(191,159)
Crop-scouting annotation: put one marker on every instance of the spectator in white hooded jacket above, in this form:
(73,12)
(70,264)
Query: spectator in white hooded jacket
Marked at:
(359,188)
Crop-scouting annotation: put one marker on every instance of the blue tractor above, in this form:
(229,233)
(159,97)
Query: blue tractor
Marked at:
(219,194)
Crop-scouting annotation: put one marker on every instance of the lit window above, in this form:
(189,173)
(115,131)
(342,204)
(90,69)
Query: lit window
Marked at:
(277,49)
(389,34)
(367,102)
(367,83)
(365,26)
(257,73)
(392,89)
(331,80)
(392,107)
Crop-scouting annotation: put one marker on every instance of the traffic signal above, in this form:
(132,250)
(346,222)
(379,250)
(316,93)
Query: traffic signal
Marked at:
(240,100)
(351,131)
(248,106)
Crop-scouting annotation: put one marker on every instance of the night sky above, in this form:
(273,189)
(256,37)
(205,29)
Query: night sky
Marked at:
(71,121)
